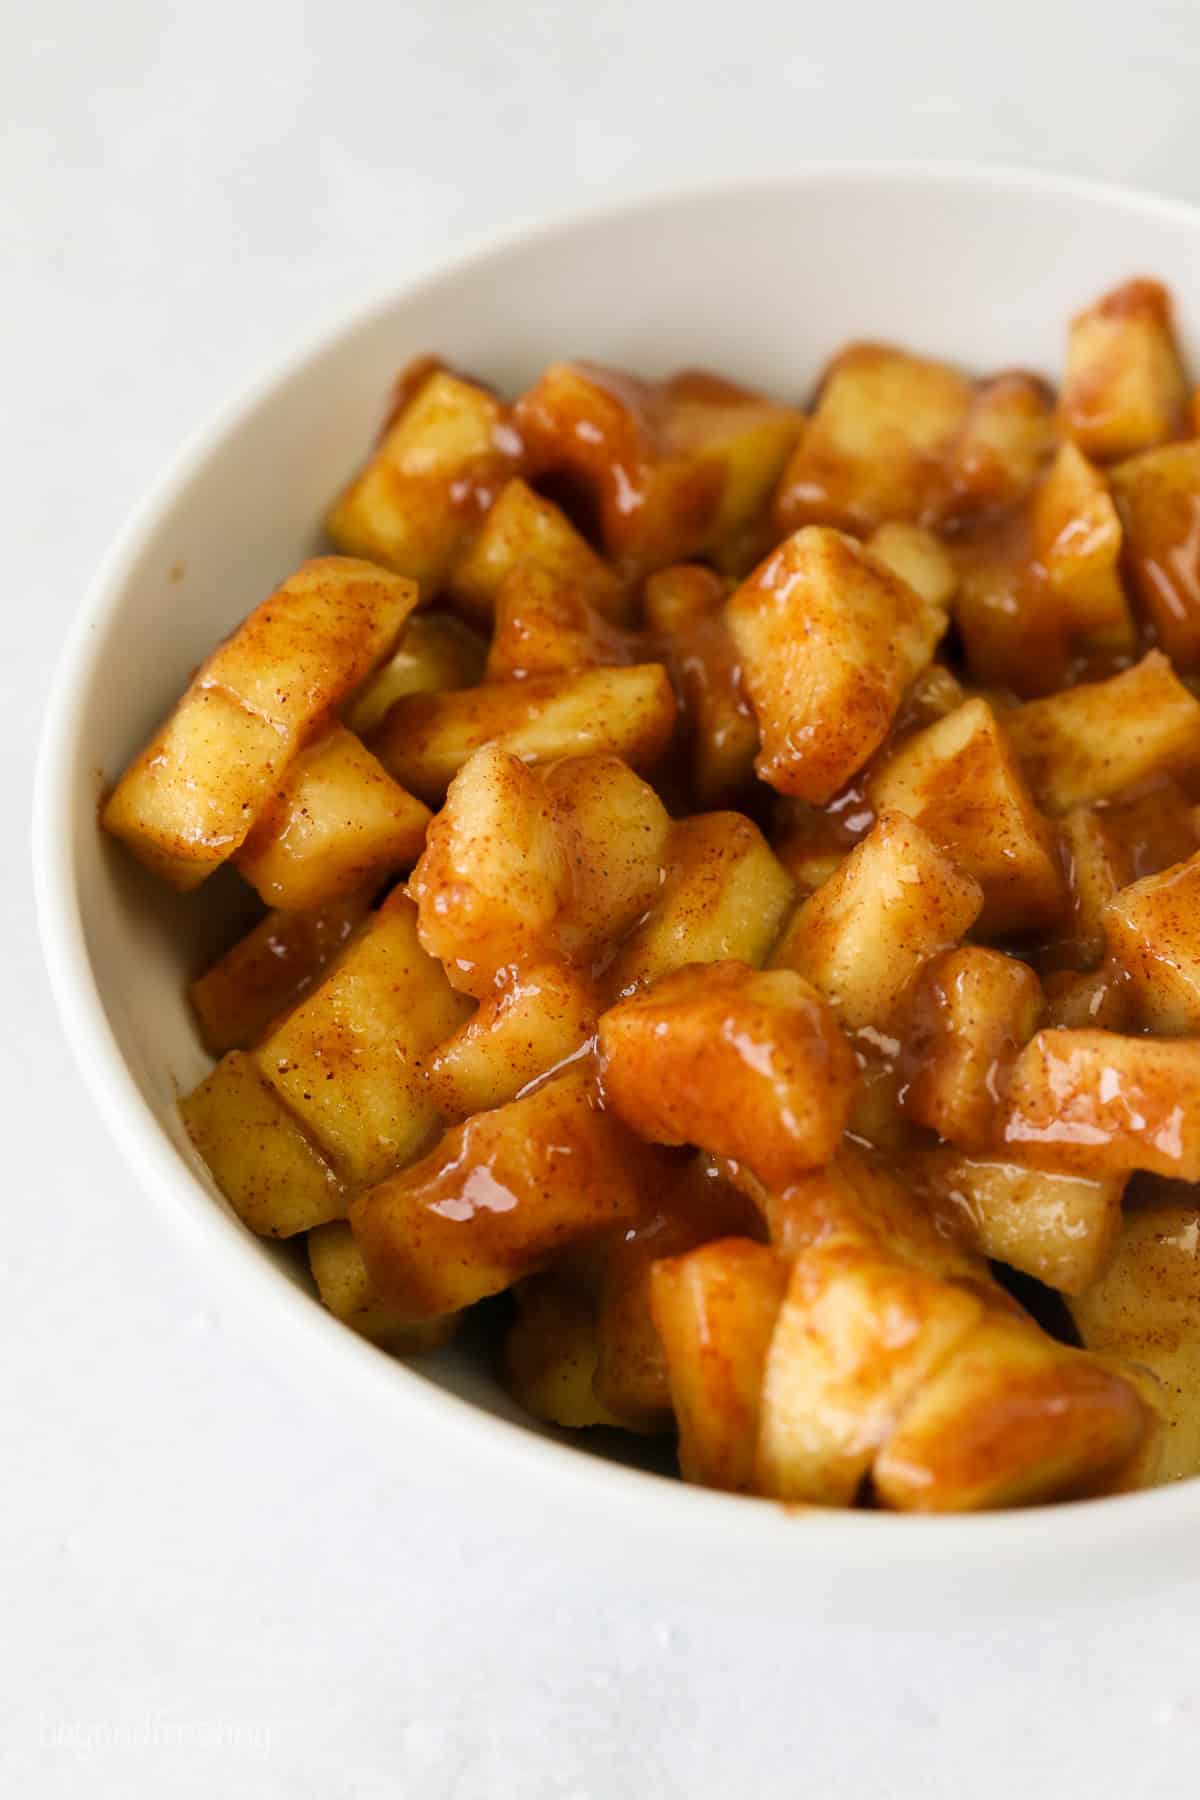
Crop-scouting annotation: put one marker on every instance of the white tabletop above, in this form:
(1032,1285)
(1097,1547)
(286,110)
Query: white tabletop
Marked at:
(209,1586)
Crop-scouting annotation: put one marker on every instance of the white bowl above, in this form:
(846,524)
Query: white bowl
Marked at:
(761,281)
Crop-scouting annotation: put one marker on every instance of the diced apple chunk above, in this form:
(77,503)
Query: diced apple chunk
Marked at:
(336,824)
(426,738)
(616,836)
(437,651)
(273,1176)
(752,437)
(190,798)
(667,470)
(1093,741)
(959,779)
(715,1309)
(631,1367)
(725,895)
(545,627)
(1124,388)
(1096,997)
(525,531)
(1006,440)
(743,1064)
(1076,540)
(542,1016)
(874,447)
(972,1010)
(685,609)
(1153,934)
(269,970)
(858,1335)
(862,1200)
(1159,497)
(349,1060)
(345,1289)
(1059,1228)
(917,557)
(429,482)
(1012,1419)
(1098,865)
(1097,1103)
(829,640)
(550,1353)
(862,937)
(494,874)
(1042,586)
(499,1197)
(1146,1307)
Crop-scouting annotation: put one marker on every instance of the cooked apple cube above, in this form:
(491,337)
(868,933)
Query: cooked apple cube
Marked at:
(525,531)
(1159,497)
(522,867)
(499,1197)
(1146,1307)
(273,1176)
(1006,441)
(345,1289)
(550,1353)
(1124,388)
(436,651)
(1096,997)
(860,1199)
(971,1011)
(336,824)
(747,1065)
(426,738)
(1060,1228)
(1076,541)
(617,836)
(725,895)
(1152,929)
(1097,1103)
(861,938)
(429,481)
(1013,1419)
(1014,632)
(917,557)
(1098,864)
(875,445)
(829,640)
(544,626)
(1093,741)
(1156,823)
(960,781)
(752,438)
(685,609)
(349,1060)
(858,1335)
(631,1378)
(542,1016)
(715,1309)
(269,970)
(1042,586)
(878,1117)
(495,873)
(190,798)
(666,471)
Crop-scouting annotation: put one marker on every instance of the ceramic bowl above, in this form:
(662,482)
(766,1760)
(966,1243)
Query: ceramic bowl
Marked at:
(762,281)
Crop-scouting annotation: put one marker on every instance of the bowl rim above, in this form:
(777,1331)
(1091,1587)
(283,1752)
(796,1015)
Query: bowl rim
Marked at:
(642,1500)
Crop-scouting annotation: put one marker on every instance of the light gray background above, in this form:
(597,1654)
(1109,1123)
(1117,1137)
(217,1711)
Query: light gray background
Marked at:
(208,1588)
